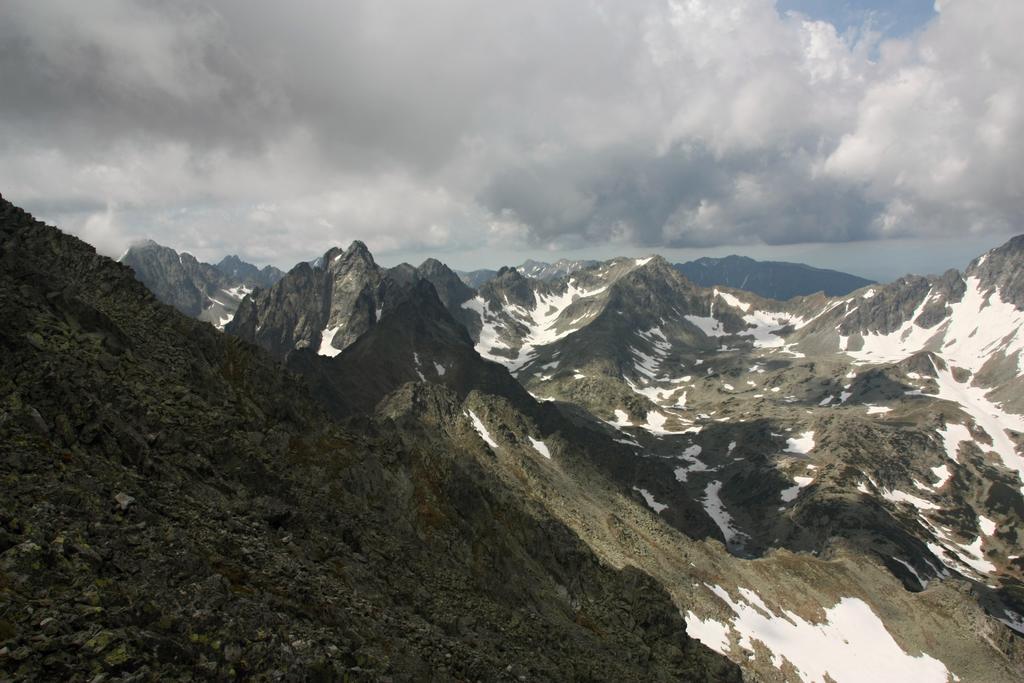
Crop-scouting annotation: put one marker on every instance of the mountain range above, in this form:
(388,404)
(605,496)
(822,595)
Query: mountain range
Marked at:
(177,506)
(200,290)
(768,279)
(608,473)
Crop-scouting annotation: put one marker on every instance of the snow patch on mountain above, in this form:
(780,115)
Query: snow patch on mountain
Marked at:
(690,455)
(977,327)
(802,444)
(831,650)
(910,568)
(789,494)
(987,415)
(326,336)
(897,496)
(540,447)
(540,322)
(481,429)
(987,526)
(713,505)
(952,436)
(649,499)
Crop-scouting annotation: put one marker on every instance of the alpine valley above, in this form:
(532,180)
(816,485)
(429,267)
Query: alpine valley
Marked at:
(569,471)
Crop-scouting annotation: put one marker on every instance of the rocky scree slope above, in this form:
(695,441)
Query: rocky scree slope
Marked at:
(175,506)
(885,422)
(783,617)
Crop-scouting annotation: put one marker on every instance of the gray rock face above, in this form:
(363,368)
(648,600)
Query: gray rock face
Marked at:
(1003,268)
(418,341)
(327,307)
(199,290)
(450,289)
(769,279)
(237,269)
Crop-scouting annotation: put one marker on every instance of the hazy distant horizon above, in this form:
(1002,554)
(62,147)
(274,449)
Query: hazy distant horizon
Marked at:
(882,261)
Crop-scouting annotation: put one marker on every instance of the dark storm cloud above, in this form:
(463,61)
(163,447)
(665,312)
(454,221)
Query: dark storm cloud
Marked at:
(658,199)
(282,127)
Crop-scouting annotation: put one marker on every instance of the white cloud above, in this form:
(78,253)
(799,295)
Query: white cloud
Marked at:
(277,130)
(938,136)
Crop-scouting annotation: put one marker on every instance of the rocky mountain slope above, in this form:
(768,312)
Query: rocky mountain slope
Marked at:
(176,506)
(886,423)
(769,456)
(199,290)
(769,279)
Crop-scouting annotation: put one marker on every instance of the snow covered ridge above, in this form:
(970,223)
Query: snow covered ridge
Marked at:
(540,322)
(851,645)
(978,327)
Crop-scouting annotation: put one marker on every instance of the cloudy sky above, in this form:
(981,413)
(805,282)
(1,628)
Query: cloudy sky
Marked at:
(879,137)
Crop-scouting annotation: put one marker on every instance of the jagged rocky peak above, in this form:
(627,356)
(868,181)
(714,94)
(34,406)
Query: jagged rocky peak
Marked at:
(175,278)
(327,307)
(450,287)
(1003,269)
(339,257)
(358,251)
(418,341)
(653,287)
(234,267)
(204,291)
(510,286)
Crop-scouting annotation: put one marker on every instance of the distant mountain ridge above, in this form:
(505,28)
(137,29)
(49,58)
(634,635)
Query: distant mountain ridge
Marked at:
(549,271)
(199,290)
(771,279)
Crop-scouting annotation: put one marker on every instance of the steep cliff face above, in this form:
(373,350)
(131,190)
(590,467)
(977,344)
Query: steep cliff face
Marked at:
(199,290)
(327,306)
